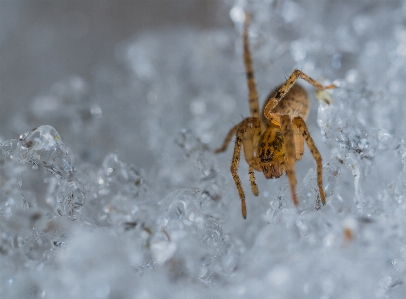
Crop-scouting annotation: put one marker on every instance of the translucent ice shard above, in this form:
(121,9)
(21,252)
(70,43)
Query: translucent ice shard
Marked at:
(72,196)
(7,147)
(43,147)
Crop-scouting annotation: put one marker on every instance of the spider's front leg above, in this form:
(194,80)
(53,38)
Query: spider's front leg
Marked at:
(290,154)
(246,132)
(254,186)
(234,170)
(299,123)
(284,89)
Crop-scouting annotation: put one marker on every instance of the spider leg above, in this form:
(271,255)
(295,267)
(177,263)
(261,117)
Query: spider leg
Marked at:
(283,90)
(252,89)
(244,136)
(290,154)
(252,133)
(299,142)
(254,186)
(227,140)
(234,170)
(301,125)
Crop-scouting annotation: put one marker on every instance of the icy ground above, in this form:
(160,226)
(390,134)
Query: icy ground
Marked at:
(75,223)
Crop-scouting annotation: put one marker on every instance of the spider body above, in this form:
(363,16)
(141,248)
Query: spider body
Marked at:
(271,146)
(274,141)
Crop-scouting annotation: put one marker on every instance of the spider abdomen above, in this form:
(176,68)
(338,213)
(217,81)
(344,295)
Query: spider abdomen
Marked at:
(294,103)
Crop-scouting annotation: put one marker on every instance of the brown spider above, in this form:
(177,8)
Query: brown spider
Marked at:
(275,141)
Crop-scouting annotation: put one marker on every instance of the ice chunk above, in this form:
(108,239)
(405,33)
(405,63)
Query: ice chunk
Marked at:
(72,197)
(7,147)
(43,146)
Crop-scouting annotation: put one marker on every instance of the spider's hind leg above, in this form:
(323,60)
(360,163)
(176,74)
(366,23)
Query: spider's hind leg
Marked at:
(227,140)
(252,89)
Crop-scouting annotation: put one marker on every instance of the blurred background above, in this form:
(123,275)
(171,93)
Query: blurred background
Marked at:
(45,42)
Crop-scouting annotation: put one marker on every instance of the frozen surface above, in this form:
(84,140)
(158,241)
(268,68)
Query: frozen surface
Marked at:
(76,223)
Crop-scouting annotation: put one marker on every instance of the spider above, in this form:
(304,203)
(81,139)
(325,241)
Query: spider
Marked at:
(274,141)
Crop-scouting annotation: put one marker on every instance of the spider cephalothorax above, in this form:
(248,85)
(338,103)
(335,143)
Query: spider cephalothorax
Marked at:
(270,152)
(274,141)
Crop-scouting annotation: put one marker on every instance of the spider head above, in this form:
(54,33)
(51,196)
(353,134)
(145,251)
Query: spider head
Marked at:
(271,152)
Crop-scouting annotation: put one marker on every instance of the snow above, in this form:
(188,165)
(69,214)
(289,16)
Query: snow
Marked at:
(117,193)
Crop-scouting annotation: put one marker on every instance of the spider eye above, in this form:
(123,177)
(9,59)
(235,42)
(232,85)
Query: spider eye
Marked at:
(267,158)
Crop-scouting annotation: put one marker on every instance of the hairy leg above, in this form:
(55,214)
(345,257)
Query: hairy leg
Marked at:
(234,171)
(290,155)
(227,140)
(283,90)
(254,186)
(252,89)
(299,142)
(244,137)
(301,125)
